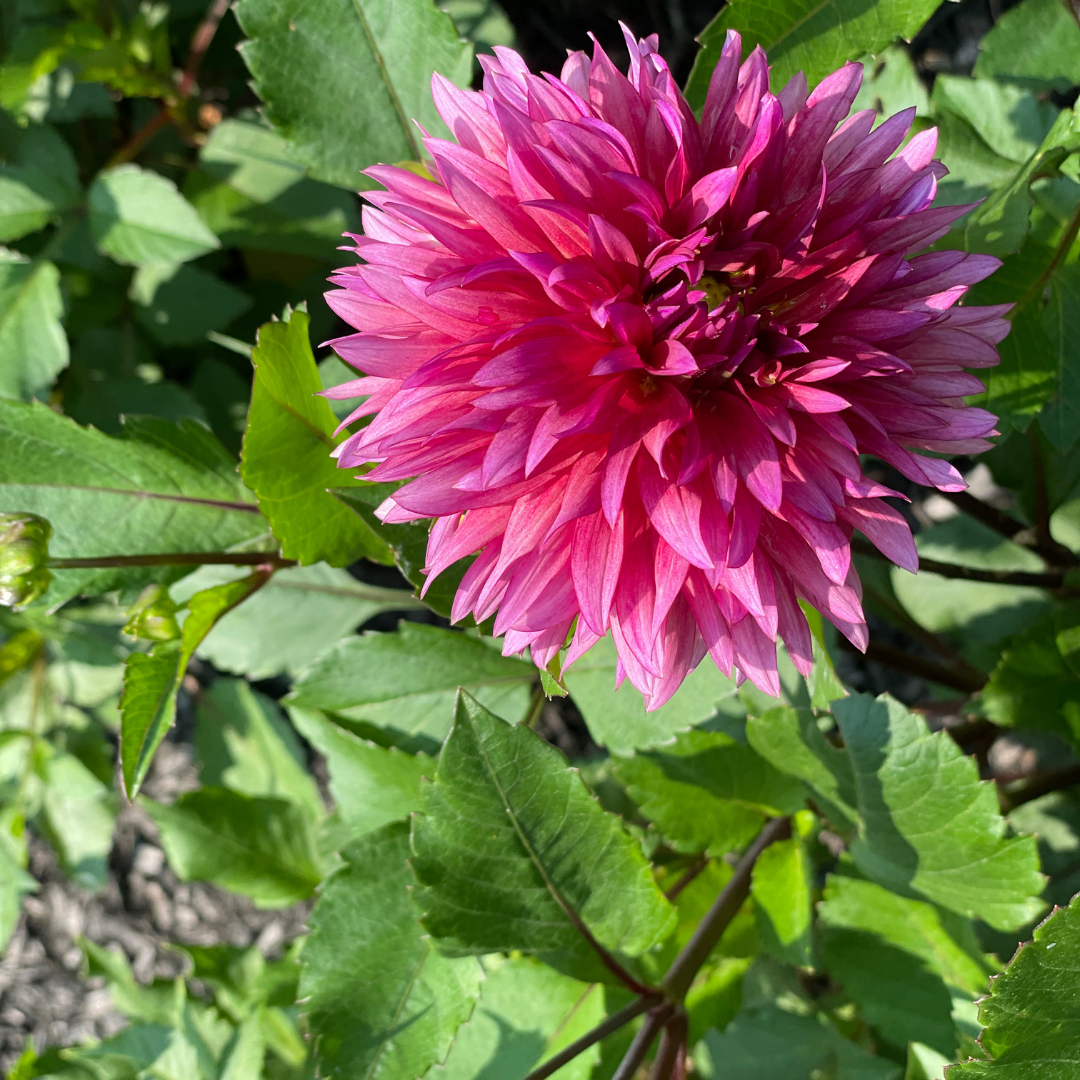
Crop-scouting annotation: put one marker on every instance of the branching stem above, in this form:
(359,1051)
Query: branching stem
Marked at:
(711,928)
(601,1031)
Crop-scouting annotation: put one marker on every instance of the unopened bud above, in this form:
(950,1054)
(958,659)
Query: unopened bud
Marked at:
(24,555)
(153,616)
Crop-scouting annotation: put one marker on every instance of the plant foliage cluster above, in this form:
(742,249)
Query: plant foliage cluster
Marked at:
(822,886)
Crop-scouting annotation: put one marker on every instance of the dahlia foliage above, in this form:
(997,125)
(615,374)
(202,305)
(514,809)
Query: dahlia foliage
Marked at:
(631,359)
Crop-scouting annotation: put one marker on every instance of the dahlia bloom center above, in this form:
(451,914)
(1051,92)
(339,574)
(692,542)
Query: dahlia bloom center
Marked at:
(631,361)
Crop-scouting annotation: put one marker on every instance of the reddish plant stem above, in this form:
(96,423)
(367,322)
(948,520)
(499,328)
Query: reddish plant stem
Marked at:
(171,111)
(672,1041)
(642,1041)
(601,1031)
(691,872)
(183,558)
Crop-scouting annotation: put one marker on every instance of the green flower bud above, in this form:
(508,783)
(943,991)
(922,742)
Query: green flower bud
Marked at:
(24,555)
(153,616)
(18,590)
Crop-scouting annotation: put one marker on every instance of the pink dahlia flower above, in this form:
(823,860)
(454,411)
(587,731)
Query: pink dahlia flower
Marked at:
(631,359)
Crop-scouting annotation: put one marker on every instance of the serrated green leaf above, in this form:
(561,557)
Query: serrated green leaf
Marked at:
(689,818)
(812,36)
(259,847)
(1036,43)
(893,989)
(511,842)
(406,681)
(152,680)
(343,81)
(617,718)
(32,339)
(371,785)
(766,1043)
(320,605)
(790,740)
(138,217)
(1032,1016)
(286,457)
(163,489)
(381,1002)
(943,940)
(244,743)
(928,823)
(526,1013)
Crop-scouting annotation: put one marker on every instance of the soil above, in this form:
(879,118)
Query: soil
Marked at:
(44,994)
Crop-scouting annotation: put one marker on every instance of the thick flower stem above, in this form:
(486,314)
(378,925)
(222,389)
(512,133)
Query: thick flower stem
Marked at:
(711,928)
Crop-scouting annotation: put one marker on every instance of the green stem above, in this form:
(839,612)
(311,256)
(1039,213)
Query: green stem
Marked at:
(36,711)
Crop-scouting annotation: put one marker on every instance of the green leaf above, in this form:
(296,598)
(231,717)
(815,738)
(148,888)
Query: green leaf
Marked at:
(928,822)
(32,339)
(944,941)
(1000,224)
(80,818)
(893,989)
(381,1002)
(408,543)
(526,1013)
(39,180)
(255,197)
(982,612)
(708,793)
(974,169)
(617,718)
(14,880)
(812,36)
(781,888)
(690,819)
(1055,819)
(152,680)
(180,306)
(286,457)
(790,740)
(1036,44)
(174,492)
(342,81)
(138,217)
(320,605)
(512,850)
(1036,683)
(1011,121)
(371,785)
(1032,1017)
(244,743)
(406,682)
(259,847)
(1060,420)
(924,1063)
(891,84)
(767,1043)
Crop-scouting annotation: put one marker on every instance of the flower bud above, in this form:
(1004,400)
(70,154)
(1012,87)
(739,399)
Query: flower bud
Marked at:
(24,556)
(153,616)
